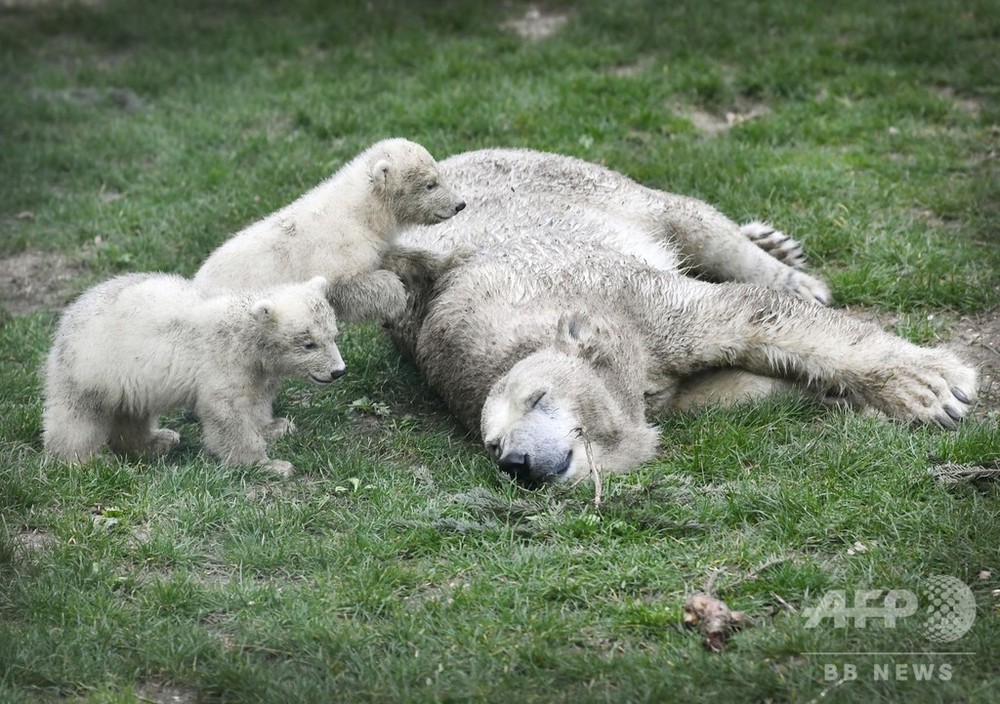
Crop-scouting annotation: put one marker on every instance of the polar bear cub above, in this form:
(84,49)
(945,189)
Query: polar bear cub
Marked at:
(340,229)
(140,345)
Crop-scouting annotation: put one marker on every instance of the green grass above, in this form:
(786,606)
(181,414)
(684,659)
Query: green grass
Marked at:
(396,565)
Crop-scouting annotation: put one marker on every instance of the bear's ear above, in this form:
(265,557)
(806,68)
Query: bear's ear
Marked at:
(573,330)
(263,311)
(578,334)
(319,283)
(380,175)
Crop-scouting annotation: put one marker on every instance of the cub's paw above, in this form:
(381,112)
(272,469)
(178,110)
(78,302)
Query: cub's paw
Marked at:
(163,441)
(776,243)
(935,388)
(390,295)
(279,467)
(279,427)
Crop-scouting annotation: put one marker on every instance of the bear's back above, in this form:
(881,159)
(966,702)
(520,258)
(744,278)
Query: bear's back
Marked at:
(135,331)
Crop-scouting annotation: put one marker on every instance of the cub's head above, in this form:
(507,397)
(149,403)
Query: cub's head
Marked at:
(566,405)
(406,177)
(296,328)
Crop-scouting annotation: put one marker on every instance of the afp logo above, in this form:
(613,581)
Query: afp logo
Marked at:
(945,605)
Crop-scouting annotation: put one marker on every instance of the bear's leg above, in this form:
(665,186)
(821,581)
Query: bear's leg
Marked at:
(726,387)
(141,436)
(73,435)
(717,248)
(234,433)
(767,333)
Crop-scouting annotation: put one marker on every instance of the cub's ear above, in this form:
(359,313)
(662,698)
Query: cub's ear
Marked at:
(579,334)
(263,311)
(380,174)
(320,283)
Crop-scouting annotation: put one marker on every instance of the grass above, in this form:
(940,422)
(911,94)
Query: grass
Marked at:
(396,565)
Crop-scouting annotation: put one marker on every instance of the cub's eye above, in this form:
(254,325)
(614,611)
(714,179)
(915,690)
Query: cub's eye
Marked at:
(494,448)
(308,345)
(431,186)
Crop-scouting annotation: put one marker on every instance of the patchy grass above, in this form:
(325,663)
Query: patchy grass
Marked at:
(396,565)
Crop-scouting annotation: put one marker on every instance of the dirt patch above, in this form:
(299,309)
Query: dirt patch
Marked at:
(34,280)
(966,104)
(631,69)
(32,540)
(165,693)
(712,124)
(977,339)
(120,98)
(536,24)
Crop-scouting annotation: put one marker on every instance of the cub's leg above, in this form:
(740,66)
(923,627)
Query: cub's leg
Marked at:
(278,428)
(73,434)
(766,333)
(234,432)
(141,436)
(376,295)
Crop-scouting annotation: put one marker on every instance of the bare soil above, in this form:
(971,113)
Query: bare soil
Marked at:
(36,280)
(977,339)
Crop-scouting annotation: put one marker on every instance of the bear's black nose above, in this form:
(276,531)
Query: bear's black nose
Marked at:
(460,207)
(516,464)
(337,373)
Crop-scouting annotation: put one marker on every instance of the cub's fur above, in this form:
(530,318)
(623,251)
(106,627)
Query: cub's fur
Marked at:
(139,345)
(339,230)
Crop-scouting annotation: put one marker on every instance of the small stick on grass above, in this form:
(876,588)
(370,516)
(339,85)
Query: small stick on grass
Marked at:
(594,472)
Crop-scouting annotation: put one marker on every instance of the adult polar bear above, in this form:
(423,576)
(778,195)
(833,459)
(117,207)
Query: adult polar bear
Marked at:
(554,317)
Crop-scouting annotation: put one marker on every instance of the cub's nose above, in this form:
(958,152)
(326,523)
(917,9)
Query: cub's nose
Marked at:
(460,207)
(337,373)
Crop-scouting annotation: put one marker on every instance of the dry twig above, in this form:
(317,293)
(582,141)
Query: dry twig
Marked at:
(594,472)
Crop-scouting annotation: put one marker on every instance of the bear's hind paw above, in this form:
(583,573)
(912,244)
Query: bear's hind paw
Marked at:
(776,243)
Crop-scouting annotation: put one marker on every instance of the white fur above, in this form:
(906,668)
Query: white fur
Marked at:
(137,346)
(340,228)
(555,318)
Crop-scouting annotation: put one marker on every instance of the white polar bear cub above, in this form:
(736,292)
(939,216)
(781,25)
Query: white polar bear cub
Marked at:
(341,227)
(140,345)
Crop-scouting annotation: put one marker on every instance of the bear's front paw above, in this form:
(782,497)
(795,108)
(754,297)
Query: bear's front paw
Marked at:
(279,467)
(934,388)
(279,427)
(163,441)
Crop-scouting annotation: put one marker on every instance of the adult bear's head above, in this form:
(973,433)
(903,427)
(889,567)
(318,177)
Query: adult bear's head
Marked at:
(576,401)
